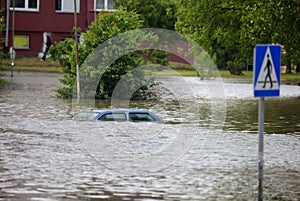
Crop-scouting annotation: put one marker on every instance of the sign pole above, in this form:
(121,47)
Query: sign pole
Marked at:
(266,74)
(261,119)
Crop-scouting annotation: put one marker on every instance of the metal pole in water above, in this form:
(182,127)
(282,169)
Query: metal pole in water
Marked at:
(261,119)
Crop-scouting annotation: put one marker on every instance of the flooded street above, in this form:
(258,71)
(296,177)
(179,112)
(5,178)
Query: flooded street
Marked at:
(45,155)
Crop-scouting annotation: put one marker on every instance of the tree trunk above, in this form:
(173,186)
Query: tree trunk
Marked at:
(298,68)
(288,62)
(288,66)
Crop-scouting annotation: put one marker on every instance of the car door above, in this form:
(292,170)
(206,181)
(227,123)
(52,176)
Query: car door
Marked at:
(140,117)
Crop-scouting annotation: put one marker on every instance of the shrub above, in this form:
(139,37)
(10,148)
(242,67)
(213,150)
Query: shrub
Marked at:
(106,26)
(60,50)
(234,68)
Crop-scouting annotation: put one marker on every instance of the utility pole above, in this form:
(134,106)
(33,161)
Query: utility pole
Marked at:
(76,44)
(12,51)
(7,23)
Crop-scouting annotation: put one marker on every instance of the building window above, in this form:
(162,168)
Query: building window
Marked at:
(103,4)
(66,5)
(21,42)
(30,5)
(63,38)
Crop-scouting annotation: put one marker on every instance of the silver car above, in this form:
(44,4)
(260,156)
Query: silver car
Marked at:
(133,115)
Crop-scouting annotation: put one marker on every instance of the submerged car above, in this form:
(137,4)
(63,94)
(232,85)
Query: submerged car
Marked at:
(133,115)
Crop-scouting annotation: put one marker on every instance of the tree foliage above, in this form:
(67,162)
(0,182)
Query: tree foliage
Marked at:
(273,21)
(106,26)
(229,30)
(2,21)
(154,13)
(214,24)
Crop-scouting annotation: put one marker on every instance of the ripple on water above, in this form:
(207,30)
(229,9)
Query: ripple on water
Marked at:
(44,155)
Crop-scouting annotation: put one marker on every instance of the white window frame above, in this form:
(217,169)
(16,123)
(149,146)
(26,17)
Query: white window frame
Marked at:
(69,11)
(105,6)
(26,8)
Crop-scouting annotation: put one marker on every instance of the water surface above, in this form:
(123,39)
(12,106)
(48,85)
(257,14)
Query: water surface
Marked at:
(45,155)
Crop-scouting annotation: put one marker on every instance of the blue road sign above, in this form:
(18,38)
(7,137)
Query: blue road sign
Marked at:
(266,74)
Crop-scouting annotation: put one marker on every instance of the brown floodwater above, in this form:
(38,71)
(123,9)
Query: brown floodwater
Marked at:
(207,148)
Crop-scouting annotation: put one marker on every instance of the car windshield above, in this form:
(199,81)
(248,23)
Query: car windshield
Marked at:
(86,115)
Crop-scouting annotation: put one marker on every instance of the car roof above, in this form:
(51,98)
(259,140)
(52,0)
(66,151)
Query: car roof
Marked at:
(116,110)
(100,112)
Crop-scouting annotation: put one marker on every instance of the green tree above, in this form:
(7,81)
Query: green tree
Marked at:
(273,21)
(154,13)
(229,30)
(214,24)
(106,26)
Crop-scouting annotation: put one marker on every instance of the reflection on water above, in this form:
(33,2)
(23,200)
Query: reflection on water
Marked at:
(45,156)
(281,115)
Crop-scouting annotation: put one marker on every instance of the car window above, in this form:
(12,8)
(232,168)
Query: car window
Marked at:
(113,117)
(85,115)
(140,117)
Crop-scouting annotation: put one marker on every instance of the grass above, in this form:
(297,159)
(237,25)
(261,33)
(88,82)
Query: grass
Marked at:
(188,70)
(3,82)
(181,66)
(33,64)
(177,73)
(226,74)
(35,68)
(285,77)
(175,69)
(290,78)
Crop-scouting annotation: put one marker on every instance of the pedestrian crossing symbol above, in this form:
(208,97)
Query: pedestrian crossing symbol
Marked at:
(267,70)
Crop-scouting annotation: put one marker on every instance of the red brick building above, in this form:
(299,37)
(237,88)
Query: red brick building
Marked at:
(34,17)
